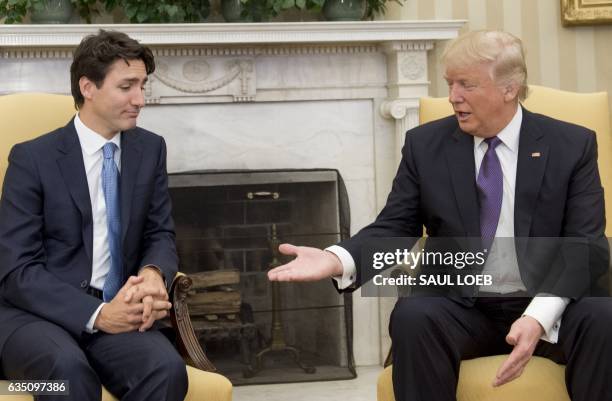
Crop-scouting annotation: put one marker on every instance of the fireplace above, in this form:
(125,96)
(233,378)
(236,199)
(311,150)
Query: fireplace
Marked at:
(233,221)
(299,95)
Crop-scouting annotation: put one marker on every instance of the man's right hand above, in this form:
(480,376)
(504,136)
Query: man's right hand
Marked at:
(311,264)
(120,316)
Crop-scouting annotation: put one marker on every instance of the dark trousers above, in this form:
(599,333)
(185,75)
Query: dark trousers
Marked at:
(132,366)
(432,335)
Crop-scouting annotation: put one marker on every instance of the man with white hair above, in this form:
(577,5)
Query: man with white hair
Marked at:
(492,170)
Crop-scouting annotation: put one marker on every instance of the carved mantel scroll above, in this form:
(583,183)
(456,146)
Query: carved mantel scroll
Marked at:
(405,112)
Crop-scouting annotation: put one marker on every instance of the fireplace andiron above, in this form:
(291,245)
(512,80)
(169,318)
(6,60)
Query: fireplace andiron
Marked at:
(277,341)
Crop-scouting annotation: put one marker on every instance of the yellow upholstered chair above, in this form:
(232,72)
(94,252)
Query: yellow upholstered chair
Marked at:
(25,116)
(542,380)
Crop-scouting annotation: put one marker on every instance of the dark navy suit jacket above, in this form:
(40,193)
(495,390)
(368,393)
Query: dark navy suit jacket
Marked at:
(46,232)
(558,194)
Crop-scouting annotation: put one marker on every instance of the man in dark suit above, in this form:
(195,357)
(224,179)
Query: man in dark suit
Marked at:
(87,240)
(492,170)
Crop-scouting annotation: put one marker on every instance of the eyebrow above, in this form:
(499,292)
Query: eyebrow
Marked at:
(134,80)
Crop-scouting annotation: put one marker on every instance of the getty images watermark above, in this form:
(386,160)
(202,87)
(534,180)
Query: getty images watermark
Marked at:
(442,266)
(410,260)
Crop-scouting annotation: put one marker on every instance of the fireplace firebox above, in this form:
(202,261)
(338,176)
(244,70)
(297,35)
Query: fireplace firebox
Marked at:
(228,226)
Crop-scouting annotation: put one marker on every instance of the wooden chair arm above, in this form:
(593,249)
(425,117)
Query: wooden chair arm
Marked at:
(187,342)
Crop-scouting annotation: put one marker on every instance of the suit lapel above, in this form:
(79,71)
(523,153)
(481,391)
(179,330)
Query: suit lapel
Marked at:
(460,160)
(532,157)
(131,155)
(72,169)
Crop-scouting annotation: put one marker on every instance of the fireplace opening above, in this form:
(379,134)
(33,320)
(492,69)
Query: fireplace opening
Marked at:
(229,225)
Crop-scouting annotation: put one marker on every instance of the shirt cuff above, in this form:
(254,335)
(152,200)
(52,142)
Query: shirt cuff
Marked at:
(89,327)
(547,310)
(349,272)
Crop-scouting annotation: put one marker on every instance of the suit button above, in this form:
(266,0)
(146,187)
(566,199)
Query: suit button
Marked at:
(83,283)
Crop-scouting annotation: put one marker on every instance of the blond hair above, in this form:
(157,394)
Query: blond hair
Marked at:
(502,50)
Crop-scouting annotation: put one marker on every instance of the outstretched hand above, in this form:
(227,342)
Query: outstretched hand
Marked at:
(310,264)
(524,336)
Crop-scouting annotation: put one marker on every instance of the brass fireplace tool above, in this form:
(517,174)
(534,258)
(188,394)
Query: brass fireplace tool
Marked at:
(277,335)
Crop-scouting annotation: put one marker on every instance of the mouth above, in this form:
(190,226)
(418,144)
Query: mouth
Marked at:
(462,115)
(132,114)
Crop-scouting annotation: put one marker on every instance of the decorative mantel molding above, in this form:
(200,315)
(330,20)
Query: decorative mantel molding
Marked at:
(281,49)
(230,54)
(22,36)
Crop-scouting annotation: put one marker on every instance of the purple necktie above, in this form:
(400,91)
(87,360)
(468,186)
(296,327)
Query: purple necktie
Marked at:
(490,192)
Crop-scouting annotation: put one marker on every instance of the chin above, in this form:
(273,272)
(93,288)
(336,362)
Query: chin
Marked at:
(128,125)
(467,128)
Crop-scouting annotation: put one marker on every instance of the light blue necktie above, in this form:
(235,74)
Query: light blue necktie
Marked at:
(110,186)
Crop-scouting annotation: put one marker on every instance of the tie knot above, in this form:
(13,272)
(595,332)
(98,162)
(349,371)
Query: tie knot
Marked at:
(108,150)
(493,142)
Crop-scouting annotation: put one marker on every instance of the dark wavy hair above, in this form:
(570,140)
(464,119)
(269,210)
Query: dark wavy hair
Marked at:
(96,53)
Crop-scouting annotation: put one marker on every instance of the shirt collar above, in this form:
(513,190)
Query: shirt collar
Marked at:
(511,132)
(90,140)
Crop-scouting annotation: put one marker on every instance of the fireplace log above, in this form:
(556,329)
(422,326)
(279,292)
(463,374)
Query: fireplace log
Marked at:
(214,303)
(214,293)
(207,279)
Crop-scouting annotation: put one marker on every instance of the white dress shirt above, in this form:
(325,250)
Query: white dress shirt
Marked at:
(501,262)
(91,146)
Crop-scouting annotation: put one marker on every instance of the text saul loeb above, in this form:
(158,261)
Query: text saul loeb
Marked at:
(435,280)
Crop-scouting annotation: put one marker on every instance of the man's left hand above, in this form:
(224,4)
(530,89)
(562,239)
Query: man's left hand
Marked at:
(524,336)
(152,293)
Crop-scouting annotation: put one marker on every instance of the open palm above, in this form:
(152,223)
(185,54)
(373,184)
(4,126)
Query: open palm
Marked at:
(310,264)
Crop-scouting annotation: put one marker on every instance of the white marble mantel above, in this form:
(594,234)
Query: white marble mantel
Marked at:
(32,58)
(268,95)
(21,36)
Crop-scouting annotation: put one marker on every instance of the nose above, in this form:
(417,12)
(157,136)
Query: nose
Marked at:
(138,99)
(455,94)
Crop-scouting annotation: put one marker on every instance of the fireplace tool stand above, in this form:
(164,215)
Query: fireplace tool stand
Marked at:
(277,342)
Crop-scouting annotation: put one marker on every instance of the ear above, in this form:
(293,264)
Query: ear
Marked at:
(510,92)
(87,88)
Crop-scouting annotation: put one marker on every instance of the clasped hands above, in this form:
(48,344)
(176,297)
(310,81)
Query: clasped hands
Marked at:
(312,264)
(141,301)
